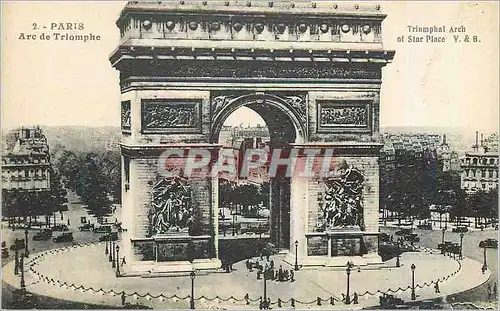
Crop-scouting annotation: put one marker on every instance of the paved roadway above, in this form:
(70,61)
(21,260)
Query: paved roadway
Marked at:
(75,210)
(431,238)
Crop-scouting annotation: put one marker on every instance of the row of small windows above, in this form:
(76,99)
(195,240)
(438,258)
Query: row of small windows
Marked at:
(483,161)
(475,185)
(25,173)
(481,173)
(24,161)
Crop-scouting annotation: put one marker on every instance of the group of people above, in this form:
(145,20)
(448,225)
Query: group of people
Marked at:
(492,295)
(269,271)
(265,304)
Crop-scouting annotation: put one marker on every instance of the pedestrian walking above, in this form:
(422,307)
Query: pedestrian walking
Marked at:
(495,290)
(292,275)
(488,289)
(280,274)
(355,299)
(271,263)
(436,287)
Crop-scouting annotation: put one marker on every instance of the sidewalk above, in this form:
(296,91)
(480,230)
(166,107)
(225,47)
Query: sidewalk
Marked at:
(83,273)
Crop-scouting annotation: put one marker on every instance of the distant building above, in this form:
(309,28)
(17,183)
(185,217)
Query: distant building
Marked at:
(240,139)
(479,167)
(27,165)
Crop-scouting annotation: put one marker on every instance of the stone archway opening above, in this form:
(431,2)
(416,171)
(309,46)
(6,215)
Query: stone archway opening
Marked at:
(278,128)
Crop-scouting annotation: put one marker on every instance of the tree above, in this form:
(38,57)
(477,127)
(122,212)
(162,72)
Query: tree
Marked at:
(68,164)
(92,187)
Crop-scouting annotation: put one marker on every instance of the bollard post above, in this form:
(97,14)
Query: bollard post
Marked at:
(279,302)
(292,303)
(332,301)
(318,301)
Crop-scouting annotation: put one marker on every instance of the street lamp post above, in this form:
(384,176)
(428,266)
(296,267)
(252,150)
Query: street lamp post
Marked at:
(347,297)
(106,250)
(117,260)
(461,244)
(296,256)
(113,262)
(413,296)
(16,262)
(110,257)
(192,275)
(398,264)
(442,240)
(234,224)
(26,243)
(23,284)
(485,265)
(265,285)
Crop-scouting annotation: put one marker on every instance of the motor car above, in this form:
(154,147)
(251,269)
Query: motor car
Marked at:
(60,227)
(384,237)
(86,227)
(403,232)
(489,243)
(18,245)
(113,236)
(425,226)
(23,299)
(446,245)
(43,235)
(460,229)
(63,237)
(412,237)
(103,229)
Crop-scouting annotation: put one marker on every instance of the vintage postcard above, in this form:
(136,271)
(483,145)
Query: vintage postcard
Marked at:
(250,154)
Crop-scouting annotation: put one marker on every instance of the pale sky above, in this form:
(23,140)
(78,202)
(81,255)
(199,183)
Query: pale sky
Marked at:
(72,83)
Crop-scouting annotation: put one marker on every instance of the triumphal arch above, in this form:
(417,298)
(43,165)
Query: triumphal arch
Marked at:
(312,70)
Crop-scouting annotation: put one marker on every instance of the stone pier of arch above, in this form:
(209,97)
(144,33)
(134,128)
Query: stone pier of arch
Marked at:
(313,72)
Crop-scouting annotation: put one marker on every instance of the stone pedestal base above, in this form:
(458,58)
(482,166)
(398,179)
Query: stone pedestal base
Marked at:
(169,268)
(337,261)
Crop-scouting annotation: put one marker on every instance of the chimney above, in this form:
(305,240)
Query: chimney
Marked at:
(476,146)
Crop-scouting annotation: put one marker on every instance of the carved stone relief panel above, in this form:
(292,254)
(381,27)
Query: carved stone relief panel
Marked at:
(341,203)
(345,116)
(174,116)
(125,115)
(171,208)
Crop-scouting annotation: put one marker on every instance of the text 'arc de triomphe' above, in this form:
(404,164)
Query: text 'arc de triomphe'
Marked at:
(312,70)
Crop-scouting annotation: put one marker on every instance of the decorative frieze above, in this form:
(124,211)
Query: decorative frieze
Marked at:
(242,70)
(175,116)
(125,115)
(252,28)
(346,116)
